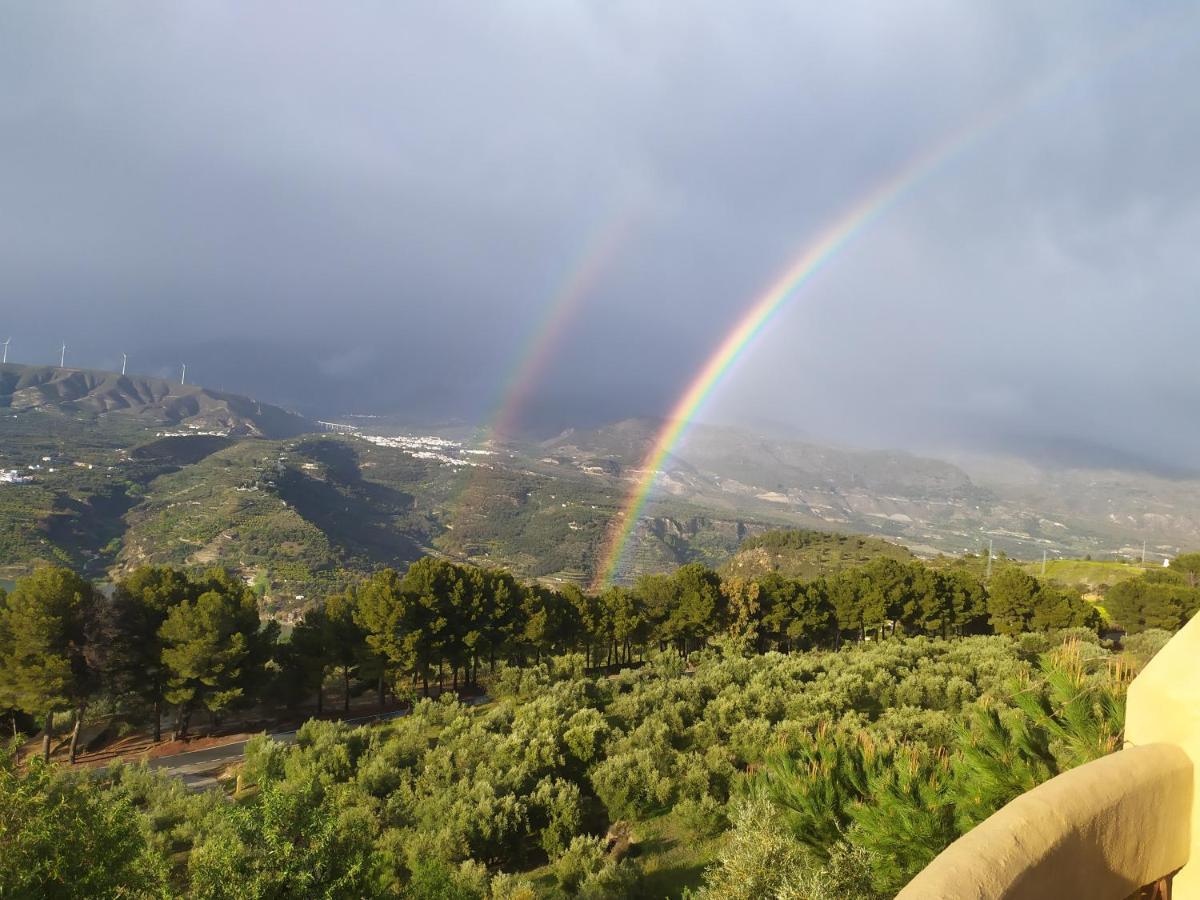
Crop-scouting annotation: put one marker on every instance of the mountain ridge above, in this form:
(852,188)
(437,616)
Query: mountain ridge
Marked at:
(143,397)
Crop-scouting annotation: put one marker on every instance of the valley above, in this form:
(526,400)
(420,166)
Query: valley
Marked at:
(108,486)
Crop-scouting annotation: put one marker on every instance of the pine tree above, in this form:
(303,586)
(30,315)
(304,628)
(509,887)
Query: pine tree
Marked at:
(1011,597)
(816,784)
(391,628)
(124,643)
(347,640)
(213,649)
(306,656)
(43,663)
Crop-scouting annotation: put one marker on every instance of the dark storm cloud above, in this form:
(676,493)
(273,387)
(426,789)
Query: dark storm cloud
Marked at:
(368,207)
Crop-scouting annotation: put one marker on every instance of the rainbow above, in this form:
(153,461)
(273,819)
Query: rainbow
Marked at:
(580,281)
(819,252)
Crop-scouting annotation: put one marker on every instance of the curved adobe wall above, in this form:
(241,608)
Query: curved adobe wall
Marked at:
(1099,831)
(1164,706)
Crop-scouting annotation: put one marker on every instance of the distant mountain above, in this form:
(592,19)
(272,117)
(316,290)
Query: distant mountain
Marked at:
(731,453)
(790,465)
(929,505)
(149,400)
(623,444)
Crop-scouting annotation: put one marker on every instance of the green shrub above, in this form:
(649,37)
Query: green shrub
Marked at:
(62,836)
(704,817)
(582,859)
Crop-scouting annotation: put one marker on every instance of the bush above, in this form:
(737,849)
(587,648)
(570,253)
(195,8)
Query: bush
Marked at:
(436,880)
(704,818)
(760,859)
(62,836)
(512,887)
(634,784)
(287,842)
(619,879)
(1140,648)
(559,805)
(264,760)
(582,859)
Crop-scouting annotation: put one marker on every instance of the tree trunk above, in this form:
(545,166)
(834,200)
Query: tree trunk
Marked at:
(47,736)
(379,687)
(320,699)
(157,718)
(181,723)
(75,733)
(346,691)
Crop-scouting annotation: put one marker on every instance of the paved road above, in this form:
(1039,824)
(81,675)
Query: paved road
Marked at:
(198,768)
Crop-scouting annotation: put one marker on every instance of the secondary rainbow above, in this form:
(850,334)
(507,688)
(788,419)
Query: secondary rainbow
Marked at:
(580,282)
(815,256)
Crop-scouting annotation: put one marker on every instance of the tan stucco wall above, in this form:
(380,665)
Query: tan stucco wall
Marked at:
(1100,832)
(1164,706)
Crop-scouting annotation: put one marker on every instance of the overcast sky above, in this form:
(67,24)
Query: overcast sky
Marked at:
(369,207)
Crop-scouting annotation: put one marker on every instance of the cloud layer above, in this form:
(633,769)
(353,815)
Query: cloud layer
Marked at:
(369,207)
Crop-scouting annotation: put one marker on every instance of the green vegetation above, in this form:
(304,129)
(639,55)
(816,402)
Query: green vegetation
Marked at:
(63,837)
(1094,575)
(809,554)
(677,735)
(643,784)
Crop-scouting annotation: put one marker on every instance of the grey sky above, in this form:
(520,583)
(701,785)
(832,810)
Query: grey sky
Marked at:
(367,207)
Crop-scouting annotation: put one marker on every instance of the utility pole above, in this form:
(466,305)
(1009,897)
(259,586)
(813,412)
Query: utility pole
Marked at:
(989,564)
(124,360)
(6,343)
(62,359)
(183,374)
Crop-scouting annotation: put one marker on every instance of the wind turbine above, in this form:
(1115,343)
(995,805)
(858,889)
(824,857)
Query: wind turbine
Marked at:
(62,360)
(183,374)
(6,343)
(124,359)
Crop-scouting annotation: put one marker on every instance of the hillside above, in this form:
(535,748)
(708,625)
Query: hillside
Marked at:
(808,554)
(149,400)
(1089,575)
(294,516)
(103,491)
